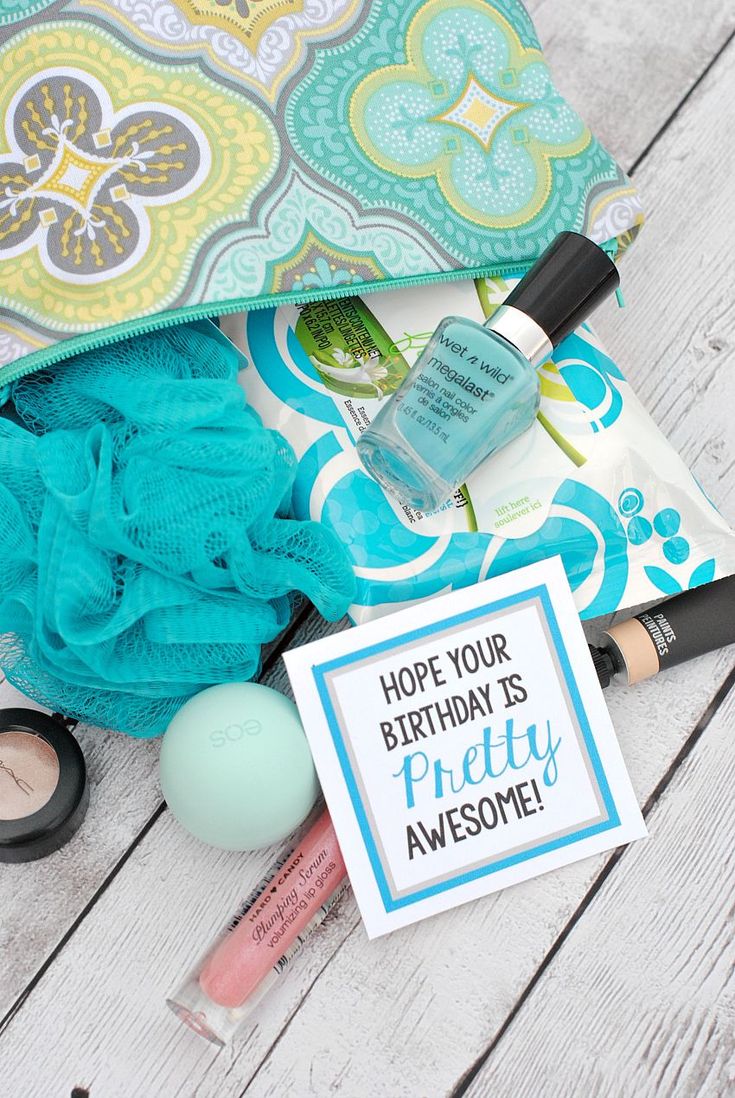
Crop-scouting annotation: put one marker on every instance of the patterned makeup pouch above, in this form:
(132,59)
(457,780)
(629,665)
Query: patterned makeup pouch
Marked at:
(169,160)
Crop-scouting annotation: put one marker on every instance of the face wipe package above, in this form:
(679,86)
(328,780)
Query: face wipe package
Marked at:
(593,480)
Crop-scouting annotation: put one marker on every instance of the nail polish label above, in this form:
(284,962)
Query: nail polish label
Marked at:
(585,480)
(463,745)
(338,363)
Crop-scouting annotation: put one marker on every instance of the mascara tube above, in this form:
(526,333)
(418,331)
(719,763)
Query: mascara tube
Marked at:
(266,932)
(673,632)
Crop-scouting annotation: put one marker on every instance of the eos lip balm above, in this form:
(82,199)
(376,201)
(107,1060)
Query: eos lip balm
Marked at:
(266,932)
(235,766)
(475,387)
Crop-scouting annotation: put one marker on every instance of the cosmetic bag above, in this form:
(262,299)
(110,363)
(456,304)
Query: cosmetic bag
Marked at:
(173,160)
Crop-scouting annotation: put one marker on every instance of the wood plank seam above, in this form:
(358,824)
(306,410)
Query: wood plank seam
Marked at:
(668,122)
(686,750)
(299,620)
(282,1032)
(689,744)
(698,731)
(269,662)
(307,611)
(146,827)
(74,926)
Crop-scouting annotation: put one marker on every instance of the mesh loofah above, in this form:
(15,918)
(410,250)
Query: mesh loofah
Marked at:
(144,552)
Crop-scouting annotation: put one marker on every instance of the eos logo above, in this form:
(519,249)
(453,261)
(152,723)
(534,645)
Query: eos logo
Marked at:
(231,733)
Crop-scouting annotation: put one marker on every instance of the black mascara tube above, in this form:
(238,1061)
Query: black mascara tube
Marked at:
(673,632)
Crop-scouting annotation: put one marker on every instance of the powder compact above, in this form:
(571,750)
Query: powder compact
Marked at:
(43,785)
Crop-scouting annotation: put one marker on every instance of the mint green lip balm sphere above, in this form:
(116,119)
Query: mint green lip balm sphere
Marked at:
(236,769)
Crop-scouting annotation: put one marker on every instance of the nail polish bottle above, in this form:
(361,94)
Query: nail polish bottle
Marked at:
(475,387)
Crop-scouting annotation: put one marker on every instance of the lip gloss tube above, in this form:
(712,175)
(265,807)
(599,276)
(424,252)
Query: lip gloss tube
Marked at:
(266,932)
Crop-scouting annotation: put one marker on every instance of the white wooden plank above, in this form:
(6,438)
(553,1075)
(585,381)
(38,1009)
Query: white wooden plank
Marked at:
(40,900)
(677,341)
(419,1003)
(124,795)
(176,893)
(705,32)
(123,773)
(626,65)
(639,1000)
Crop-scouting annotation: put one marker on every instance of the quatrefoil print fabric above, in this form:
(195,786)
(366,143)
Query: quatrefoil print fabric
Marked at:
(157,157)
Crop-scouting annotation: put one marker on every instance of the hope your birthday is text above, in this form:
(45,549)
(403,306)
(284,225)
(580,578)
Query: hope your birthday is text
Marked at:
(502,748)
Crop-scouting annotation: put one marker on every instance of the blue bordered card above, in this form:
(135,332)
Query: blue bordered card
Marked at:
(463,745)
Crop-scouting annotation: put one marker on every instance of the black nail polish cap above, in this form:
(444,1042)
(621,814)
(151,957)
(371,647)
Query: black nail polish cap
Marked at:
(565,285)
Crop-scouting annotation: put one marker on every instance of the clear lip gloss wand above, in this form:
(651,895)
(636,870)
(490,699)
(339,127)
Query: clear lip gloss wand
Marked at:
(267,931)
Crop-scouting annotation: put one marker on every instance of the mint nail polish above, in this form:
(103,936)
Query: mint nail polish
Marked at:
(475,387)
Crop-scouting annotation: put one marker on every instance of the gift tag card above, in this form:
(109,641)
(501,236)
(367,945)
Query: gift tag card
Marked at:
(463,744)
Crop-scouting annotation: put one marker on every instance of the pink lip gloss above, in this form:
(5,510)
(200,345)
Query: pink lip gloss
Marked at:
(267,931)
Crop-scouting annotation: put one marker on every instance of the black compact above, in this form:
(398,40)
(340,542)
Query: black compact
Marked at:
(43,785)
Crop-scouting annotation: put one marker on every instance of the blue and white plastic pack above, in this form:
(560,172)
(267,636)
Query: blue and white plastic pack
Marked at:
(594,480)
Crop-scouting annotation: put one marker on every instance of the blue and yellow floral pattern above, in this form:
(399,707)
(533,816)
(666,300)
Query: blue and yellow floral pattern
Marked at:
(474,109)
(188,154)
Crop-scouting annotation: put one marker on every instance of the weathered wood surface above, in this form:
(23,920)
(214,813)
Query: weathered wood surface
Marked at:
(626,66)
(125,799)
(40,901)
(411,1013)
(423,1002)
(639,999)
(682,358)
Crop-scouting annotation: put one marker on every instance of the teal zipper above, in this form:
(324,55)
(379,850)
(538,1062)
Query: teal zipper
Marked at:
(76,345)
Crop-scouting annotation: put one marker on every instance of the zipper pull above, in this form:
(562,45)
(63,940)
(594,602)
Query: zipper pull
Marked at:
(610,247)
